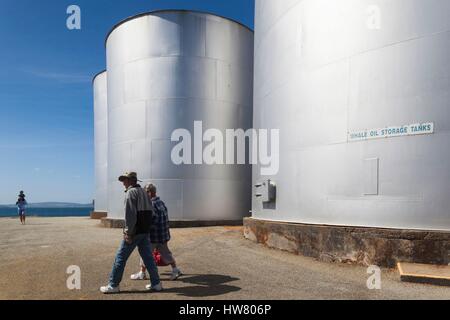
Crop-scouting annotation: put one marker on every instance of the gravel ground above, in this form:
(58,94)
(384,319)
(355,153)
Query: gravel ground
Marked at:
(218,263)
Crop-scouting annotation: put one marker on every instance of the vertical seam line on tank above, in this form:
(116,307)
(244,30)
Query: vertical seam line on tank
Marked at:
(349,83)
(216,92)
(205,35)
(147,113)
(182,197)
(182,40)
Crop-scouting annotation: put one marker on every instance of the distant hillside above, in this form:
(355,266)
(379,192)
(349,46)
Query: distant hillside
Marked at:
(53,205)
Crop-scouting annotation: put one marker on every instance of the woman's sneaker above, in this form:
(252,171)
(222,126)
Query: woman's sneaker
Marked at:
(139,276)
(157,288)
(176,273)
(109,289)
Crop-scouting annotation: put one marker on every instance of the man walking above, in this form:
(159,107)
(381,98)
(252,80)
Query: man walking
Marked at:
(138,221)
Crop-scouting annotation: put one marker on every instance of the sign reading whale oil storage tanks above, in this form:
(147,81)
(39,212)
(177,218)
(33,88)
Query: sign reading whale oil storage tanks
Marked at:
(391,132)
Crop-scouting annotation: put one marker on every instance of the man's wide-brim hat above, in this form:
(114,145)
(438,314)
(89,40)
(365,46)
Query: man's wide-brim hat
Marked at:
(128,175)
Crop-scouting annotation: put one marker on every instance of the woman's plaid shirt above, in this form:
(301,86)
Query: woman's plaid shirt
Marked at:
(160,229)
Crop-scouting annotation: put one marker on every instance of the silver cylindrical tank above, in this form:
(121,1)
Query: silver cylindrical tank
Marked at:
(167,69)
(101,141)
(327,69)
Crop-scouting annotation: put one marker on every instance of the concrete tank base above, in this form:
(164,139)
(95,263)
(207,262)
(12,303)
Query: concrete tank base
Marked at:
(97,215)
(115,223)
(365,246)
(112,223)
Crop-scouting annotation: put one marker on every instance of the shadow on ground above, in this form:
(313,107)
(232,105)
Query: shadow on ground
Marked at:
(202,286)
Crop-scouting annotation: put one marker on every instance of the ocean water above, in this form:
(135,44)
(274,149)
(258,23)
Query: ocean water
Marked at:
(48,212)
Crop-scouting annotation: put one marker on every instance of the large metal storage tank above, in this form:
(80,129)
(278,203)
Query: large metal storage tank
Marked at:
(326,69)
(101,142)
(167,69)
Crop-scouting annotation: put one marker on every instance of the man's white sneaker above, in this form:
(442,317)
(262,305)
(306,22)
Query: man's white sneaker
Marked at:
(176,273)
(157,288)
(109,290)
(139,276)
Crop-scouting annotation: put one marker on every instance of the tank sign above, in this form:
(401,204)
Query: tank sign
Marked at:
(392,132)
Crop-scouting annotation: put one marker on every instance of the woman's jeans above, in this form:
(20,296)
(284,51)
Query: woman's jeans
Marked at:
(145,250)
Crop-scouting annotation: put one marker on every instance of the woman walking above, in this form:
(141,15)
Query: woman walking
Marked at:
(159,236)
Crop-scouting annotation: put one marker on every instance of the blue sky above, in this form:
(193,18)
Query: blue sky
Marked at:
(46,131)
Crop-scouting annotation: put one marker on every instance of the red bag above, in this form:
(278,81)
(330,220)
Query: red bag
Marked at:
(158,259)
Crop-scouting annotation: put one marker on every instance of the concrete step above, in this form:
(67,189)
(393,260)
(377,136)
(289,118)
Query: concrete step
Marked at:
(424,273)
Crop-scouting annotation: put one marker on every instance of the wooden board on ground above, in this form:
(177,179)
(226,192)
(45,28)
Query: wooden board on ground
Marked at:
(424,273)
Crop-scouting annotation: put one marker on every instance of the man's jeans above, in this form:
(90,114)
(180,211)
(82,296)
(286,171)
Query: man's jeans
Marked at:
(145,250)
